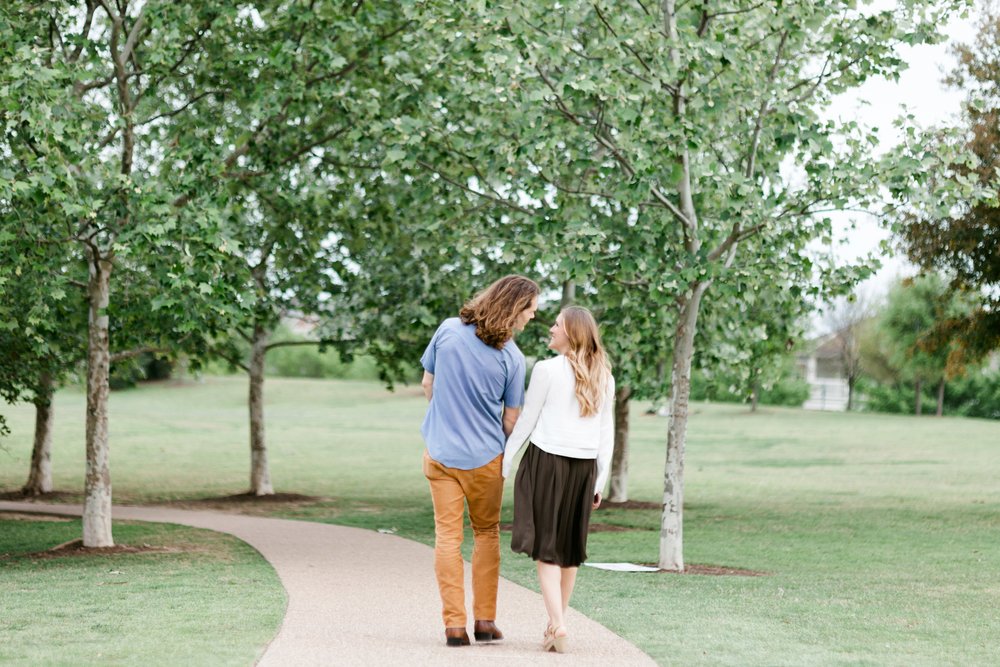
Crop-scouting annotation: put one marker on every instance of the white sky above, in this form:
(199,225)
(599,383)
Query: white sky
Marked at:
(921,91)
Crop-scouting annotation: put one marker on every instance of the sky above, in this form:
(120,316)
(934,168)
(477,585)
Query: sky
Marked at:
(921,90)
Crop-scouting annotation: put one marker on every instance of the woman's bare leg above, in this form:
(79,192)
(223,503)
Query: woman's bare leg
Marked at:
(550,581)
(566,583)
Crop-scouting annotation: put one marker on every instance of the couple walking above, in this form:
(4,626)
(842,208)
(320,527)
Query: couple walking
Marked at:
(480,417)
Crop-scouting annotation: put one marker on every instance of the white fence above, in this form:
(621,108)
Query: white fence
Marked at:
(827,394)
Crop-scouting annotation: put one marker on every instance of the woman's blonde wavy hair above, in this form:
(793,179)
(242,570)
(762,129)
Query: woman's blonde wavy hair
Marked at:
(587,358)
(494,310)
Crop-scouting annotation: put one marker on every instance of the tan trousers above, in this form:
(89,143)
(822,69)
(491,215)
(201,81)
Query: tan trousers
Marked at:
(451,488)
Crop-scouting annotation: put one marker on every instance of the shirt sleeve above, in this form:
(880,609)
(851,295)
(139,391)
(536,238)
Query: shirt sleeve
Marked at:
(513,392)
(607,442)
(538,390)
(430,354)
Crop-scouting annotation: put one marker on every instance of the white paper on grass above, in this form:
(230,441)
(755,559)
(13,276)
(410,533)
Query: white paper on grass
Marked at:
(623,567)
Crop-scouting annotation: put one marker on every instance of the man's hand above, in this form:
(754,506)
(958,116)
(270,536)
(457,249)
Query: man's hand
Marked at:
(597,500)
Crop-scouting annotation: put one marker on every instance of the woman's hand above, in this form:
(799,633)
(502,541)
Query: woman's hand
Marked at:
(597,500)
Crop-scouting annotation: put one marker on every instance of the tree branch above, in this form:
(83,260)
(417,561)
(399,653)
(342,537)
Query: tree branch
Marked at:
(763,111)
(628,48)
(133,36)
(357,61)
(181,109)
(235,362)
(188,49)
(731,12)
(499,200)
(80,88)
(54,37)
(572,191)
(84,33)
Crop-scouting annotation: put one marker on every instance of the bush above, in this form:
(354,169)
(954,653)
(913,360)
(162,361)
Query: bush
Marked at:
(977,394)
(730,387)
(306,361)
(791,391)
(126,374)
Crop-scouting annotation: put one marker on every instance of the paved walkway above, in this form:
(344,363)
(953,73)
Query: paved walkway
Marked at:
(358,597)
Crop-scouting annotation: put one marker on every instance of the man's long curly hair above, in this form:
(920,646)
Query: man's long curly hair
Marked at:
(494,310)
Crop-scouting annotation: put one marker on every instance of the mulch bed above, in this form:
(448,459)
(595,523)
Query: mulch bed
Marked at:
(240,502)
(594,528)
(274,499)
(713,570)
(629,505)
(248,503)
(76,548)
(51,497)
(26,516)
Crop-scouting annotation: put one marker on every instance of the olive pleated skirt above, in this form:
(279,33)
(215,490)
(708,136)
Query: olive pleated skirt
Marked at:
(553,498)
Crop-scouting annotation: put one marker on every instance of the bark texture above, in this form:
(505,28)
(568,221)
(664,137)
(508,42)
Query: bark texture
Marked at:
(940,398)
(97,483)
(618,493)
(568,294)
(672,520)
(260,474)
(40,474)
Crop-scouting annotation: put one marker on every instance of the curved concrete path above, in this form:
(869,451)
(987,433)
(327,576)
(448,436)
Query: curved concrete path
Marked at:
(358,597)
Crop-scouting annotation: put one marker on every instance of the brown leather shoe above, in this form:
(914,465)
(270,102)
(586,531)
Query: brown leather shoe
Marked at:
(487,631)
(456,637)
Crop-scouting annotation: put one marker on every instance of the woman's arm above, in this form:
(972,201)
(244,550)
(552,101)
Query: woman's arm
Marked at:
(607,441)
(534,399)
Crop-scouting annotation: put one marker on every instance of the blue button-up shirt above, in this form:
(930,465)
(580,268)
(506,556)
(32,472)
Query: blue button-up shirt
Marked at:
(473,383)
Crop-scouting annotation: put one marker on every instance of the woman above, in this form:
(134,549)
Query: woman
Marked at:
(568,418)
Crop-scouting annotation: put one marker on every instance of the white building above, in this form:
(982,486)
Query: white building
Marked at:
(823,368)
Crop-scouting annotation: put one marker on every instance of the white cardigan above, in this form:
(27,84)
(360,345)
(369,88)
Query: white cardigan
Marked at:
(551,420)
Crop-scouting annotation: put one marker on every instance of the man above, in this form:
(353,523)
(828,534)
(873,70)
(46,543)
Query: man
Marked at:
(474,380)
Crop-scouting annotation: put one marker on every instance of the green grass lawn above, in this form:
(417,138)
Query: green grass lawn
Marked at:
(194,597)
(878,533)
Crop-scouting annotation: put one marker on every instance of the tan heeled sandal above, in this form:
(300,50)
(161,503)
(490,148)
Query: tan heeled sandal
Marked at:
(552,642)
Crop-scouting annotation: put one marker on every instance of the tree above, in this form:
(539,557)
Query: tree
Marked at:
(847,320)
(84,84)
(41,321)
(38,358)
(674,120)
(304,201)
(966,243)
(140,82)
(913,311)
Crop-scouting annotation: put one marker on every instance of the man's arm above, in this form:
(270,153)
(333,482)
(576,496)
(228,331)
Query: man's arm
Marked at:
(428,385)
(510,416)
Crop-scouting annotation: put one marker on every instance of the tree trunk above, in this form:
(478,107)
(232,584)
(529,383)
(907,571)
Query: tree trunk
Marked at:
(671,522)
(918,401)
(260,474)
(568,294)
(618,493)
(40,475)
(97,484)
(754,394)
(940,398)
